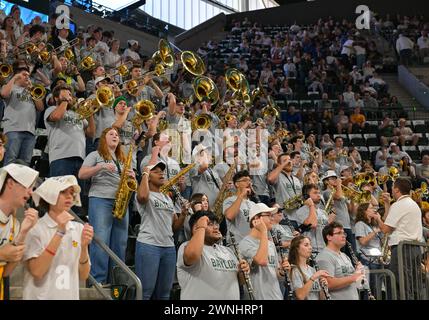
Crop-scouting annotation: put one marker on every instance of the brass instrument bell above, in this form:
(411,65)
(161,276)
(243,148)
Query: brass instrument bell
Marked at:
(205,89)
(37,92)
(192,63)
(87,63)
(5,70)
(105,96)
(145,110)
(202,121)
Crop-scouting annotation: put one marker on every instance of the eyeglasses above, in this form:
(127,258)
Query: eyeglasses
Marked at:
(341,233)
(244,180)
(269,215)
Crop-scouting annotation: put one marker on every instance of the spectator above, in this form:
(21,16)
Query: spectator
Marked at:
(406,169)
(422,171)
(349,96)
(384,170)
(404,48)
(356,76)
(405,133)
(385,131)
(357,121)
(381,157)
(341,120)
(397,154)
(132,52)
(293,117)
(289,69)
(423,44)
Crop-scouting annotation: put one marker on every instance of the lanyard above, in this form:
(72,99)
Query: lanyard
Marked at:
(291,181)
(214,179)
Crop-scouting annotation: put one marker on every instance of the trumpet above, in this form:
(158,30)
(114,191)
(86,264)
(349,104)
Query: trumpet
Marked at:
(355,195)
(87,63)
(271,110)
(122,70)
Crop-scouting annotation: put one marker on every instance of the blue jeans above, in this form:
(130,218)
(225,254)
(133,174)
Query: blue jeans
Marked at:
(155,266)
(20,145)
(66,166)
(113,232)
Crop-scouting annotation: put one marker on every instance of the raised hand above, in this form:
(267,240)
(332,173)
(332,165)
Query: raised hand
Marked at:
(62,219)
(31,216)
(87,234)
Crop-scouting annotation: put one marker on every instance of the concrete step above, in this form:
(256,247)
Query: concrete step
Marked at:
(84,293)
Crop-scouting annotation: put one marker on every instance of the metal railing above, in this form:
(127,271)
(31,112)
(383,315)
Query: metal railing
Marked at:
(412,270)
(119,263)
(384,285)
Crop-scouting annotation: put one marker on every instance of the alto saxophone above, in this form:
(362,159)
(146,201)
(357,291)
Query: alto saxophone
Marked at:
(166,187)
(385,251)
(127,185)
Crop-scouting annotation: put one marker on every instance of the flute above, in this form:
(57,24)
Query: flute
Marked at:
(249,285)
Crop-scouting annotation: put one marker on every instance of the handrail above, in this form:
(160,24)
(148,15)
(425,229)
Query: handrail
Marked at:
(401,271)
(391,275)
(117,260)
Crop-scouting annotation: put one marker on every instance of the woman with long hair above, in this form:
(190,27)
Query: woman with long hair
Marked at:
(304,278)
(104,167)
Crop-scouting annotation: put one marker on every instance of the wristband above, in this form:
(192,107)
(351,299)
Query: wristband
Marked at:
(145,173)
(52,253)
(60,233)
(199,227)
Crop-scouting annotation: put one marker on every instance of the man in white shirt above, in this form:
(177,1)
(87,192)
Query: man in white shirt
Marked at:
(404,47)
(423,44)
(402,221)
(132,52)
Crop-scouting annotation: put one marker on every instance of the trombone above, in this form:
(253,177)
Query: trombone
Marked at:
(123,70)
(104,97)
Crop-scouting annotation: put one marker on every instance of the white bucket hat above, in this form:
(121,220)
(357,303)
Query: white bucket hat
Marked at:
(51,188)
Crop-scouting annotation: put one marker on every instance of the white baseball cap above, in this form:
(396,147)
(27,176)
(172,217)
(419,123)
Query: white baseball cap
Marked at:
(98,79)
(20,173)
(51,188)
(132,42)
(258,208)
(330,173)
(159,164)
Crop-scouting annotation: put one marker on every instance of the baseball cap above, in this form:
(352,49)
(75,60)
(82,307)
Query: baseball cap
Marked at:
(20,173)
(330,173)
(98,79)
(393,144)
(342,168)
(258,208)
(51,188)
(159,164)
(132,42)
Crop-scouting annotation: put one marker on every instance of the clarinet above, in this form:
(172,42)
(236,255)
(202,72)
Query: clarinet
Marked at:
(321,283)
(182,201)
(249,286)
(356,261)
(288,284)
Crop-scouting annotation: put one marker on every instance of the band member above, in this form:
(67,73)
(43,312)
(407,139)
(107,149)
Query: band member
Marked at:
(304,278)
(286,185)
(66,134)
(236,208)
(19,120)
(262,255)
(342,275)
(339,205)
(207,270)
(16,187)
(313,217)
(403,222)
(155,251)
(56,245)
(104,168)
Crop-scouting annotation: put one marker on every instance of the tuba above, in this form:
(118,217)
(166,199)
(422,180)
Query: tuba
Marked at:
(144,111)
(127,185)
(192,63)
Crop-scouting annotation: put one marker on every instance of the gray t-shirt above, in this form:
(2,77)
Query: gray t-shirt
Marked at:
(338,265)
(286,188)
(66,137)
(203,183)
(341,210)
(362,230)
(264,278)
(298,282)
(156,227)
(104,183)
(260,185)
(239,226)
(104,118)
(212,277)
(284,233)
(20,112)
(315,235)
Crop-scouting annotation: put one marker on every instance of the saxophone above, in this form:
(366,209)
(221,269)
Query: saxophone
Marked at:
(223,193)
(127,185)
(166,187)
(293,203)
(385,251)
